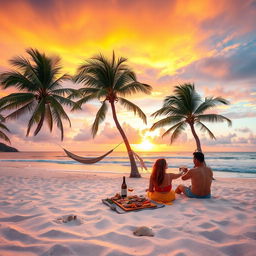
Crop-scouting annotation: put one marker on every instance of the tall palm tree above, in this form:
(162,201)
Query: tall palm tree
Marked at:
(109,81)
(186,107)
(41,92)
(2,133)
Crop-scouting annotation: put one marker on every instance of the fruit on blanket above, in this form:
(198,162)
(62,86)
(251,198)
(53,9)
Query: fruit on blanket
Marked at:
(117,196)
(132,202)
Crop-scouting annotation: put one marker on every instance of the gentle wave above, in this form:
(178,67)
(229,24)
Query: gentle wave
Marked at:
(236,170)
(189,157)
(124,161)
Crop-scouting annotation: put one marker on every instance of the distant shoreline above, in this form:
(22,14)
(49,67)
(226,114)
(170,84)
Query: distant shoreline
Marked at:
(146,152)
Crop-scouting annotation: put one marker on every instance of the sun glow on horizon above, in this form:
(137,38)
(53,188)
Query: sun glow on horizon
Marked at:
(145,145)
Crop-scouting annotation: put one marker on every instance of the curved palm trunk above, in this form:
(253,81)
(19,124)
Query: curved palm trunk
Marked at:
(198,144)
(134,169)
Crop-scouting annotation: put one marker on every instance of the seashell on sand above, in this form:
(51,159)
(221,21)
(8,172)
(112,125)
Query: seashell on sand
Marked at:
(143,231)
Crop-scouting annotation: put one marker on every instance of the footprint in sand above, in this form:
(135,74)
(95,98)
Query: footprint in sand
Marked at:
(59,250)
(70,219)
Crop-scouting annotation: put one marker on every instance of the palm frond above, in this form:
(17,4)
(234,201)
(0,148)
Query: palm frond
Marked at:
(121,79)
(22,110)
(100,117)
(210,103)
(57,114)
(176,133)
(57,108)
(39,109)
(63,91)
(132,107)
(74,93)
(206,129)
(4,137)
(20,62)
(174,127)
(120,66)
(92,80)
(3,127)
(48,116)
(46,68)
(177,105)
(166,121)
(89,90)
(168,110)
(92,74)
(188,96)
(63,101)
(40,123)
(27,70)
(214,118)
(1,118)
(133,88)
(16,100)
(100,68)
(57,118)
(57,82)
(84,100)
(16,79)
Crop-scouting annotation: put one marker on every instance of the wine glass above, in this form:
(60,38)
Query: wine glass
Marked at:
(183,168)
(130,190)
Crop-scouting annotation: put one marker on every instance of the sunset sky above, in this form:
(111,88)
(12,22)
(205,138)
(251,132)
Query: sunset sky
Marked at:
(209,43)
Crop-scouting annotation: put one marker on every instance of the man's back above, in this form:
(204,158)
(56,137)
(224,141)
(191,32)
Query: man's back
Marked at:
(201,180)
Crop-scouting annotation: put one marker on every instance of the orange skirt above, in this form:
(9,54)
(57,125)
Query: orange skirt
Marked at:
(162,197)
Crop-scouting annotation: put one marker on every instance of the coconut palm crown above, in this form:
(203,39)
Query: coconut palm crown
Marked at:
(186,107)
(40,91)
(109,81)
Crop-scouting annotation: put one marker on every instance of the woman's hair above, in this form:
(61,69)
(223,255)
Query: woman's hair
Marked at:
(158,171)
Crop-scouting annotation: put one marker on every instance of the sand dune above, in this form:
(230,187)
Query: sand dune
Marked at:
(34,207)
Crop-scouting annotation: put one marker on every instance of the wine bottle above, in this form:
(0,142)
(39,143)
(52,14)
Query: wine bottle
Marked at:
(124,188)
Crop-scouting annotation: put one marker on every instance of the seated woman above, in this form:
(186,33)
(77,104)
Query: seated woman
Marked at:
(160,183)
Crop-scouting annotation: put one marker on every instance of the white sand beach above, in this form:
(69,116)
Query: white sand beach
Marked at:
(34,204)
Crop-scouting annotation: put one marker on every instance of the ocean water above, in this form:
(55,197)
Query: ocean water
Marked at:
(223,164)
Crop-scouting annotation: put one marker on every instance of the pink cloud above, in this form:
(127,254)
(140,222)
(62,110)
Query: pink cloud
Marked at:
(242,94)
(109,134)
(244,130)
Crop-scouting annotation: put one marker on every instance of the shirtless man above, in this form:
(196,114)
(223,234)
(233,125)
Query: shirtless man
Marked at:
(201,179)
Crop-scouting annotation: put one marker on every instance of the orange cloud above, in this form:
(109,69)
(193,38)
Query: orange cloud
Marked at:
(162,35)
(161,40)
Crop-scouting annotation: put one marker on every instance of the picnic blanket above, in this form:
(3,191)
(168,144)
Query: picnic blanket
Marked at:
(119,210)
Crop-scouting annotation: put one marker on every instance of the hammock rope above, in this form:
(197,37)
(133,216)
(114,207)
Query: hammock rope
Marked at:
(93,160)
(88,160)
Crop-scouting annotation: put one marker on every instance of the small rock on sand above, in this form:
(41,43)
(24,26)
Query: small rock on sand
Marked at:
(143,231)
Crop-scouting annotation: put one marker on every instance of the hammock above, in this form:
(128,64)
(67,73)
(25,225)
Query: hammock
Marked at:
(93,160)
(87,160)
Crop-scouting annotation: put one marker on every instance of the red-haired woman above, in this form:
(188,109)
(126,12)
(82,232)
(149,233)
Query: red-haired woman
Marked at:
(160,183)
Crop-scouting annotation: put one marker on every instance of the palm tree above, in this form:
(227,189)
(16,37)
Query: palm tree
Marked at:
(3,127)
(109,81)
(41,93)
(186,107)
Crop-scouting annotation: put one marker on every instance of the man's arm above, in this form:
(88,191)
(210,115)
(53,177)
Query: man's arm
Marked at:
(187,175)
